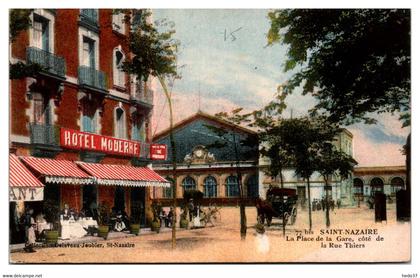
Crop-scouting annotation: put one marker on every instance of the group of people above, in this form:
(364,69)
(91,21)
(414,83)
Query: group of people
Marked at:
(318,204)
(166,218)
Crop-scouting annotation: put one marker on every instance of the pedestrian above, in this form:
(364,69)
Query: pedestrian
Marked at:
(261,241)
(29,223)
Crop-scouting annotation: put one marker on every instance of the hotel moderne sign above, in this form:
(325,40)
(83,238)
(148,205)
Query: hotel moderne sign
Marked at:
(78,140)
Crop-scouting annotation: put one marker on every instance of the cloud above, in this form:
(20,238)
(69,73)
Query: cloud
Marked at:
(367,152)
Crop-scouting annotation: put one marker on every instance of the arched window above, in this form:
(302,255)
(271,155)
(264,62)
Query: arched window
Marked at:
(397,184)
(252,187)
(377,185)
(118,23)
(232,186)
(120,123)
(210,187)
(358,186)
(188,183)
(119,74)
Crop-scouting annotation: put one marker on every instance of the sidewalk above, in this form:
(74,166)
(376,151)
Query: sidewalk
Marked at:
(111,235)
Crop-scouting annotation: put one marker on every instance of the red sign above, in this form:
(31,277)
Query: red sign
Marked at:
(73,139)
(158,152)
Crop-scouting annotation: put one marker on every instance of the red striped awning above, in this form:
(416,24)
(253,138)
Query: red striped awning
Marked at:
(57,171)
(19,175)
(108,174)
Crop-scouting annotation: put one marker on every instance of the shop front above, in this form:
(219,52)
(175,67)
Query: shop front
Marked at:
(25,192)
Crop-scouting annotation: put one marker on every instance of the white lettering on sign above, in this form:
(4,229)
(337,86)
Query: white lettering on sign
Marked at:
(74,139)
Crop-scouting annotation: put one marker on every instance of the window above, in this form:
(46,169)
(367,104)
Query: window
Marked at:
(118,23)
(188,183)
(167,191)
(88,53)
(210,187)
(252,187)
(138,128)
(89,117)
(42,111)
(41,33)
(120,124)
(232,186)
(118,73)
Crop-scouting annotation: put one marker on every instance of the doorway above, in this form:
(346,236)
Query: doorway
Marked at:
(90,201)
(138,204)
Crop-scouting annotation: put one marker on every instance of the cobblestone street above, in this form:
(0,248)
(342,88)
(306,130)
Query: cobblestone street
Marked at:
(222,243)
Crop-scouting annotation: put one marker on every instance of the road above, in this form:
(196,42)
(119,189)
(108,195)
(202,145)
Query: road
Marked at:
(222,243)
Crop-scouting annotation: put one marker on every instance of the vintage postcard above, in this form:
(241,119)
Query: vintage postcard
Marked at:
(209,136)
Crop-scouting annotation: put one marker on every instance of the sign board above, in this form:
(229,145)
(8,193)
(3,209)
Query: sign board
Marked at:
(158,152)
(327,187)
(78,140)
(26,194)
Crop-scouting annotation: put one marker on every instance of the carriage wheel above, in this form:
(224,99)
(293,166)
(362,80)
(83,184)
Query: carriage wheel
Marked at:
(286,217)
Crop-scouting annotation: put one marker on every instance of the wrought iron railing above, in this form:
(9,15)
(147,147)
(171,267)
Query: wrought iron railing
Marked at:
(92,77)
(48,61)
(144,96)
(89,16)
(44,134)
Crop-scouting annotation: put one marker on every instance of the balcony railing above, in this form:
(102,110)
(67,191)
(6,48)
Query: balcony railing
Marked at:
(143,97)
(89,16)
(51,63)
(44,134)
(93,78)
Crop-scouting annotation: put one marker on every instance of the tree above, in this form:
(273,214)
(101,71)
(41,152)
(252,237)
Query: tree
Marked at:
(20,20)
(352,61)
(227,137)
(153,53)
(329,161)
(273,147)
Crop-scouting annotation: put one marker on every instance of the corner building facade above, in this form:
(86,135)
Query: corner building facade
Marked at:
(80,88)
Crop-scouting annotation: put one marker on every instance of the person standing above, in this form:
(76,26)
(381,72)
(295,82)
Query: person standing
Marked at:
(29,223)
(261,240)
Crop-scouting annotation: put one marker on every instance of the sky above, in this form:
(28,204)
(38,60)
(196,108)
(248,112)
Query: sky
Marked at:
(225,63)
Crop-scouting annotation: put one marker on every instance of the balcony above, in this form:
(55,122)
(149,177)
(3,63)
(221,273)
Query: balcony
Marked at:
(89,19)
(92,79)
(143,98)
(51,64)
(45,139)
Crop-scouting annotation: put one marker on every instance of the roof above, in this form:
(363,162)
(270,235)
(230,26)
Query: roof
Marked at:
(108,174)
(19,175)
(57,171)
(379,169)
(202,115)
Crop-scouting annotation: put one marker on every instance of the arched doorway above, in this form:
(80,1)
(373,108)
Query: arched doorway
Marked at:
(397,184)
(357,186)
(377,185)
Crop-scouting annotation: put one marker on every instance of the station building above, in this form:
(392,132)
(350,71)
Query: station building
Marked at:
(203,166)
(340,189)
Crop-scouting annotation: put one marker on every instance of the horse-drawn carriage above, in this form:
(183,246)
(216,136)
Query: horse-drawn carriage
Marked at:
(280,203)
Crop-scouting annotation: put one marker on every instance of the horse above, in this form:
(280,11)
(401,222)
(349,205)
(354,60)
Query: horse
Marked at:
(264,211)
